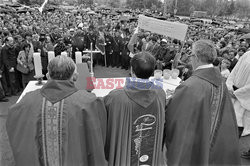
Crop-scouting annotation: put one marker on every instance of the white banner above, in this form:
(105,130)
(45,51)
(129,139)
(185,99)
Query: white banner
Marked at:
(171,29)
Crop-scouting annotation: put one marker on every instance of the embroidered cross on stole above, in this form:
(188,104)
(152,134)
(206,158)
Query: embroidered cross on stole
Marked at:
(52,115)
(143,137)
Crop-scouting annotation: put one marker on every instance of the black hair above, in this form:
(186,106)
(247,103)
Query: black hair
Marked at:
(243,49)
(223,44)
(27,34)
(154,39)
(143,65)
(216,62)
(25,45)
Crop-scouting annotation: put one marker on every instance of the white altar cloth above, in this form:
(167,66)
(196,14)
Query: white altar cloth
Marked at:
(169,84)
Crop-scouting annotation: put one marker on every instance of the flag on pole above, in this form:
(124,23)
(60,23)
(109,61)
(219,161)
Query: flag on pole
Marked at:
(42,6)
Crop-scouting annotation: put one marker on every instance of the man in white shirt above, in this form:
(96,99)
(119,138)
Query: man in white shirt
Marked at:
(238,84)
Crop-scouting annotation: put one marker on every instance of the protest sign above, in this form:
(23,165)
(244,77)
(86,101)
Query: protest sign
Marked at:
(171,29)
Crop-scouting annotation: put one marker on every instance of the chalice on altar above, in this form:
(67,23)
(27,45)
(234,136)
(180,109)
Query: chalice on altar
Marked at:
(39,80)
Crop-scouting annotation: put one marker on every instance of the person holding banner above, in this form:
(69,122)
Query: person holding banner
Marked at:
(201,126)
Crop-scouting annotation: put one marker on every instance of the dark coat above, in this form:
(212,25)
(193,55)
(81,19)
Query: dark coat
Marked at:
(9,57)
(201,126)
(82,127)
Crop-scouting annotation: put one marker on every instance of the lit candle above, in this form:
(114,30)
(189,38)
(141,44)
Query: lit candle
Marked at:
(51,55)
(78,57)
(38,64)
(64,54)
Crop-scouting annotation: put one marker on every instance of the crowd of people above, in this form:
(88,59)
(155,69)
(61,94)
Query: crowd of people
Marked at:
(134,125)
(60,125)
(60,31)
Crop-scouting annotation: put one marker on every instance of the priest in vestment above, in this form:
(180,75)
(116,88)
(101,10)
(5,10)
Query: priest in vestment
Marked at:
(201,125)
(136,118)
(58,125)
(238,84)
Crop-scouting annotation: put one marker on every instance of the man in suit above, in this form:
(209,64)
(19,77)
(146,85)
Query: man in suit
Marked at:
(2,93)
(117,54)
(91,38)
(9,58)
(108,47)
(201,126)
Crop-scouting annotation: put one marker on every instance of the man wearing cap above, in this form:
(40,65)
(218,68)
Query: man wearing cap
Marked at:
(162,55)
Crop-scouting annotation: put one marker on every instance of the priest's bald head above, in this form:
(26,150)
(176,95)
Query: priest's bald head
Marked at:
(142,65)
(203,53)
(62,68)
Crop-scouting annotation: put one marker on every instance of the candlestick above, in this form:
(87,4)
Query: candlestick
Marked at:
(38,64)
(91,56)
(51,55)
(78,57)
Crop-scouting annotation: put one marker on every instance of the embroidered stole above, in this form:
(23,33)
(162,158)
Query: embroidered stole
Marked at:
(143,140)
(216,113)
(52,117)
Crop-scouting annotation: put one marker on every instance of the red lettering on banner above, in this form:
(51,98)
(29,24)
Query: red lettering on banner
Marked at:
(110,83)
(119,81)
(90,82)
(100,84)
